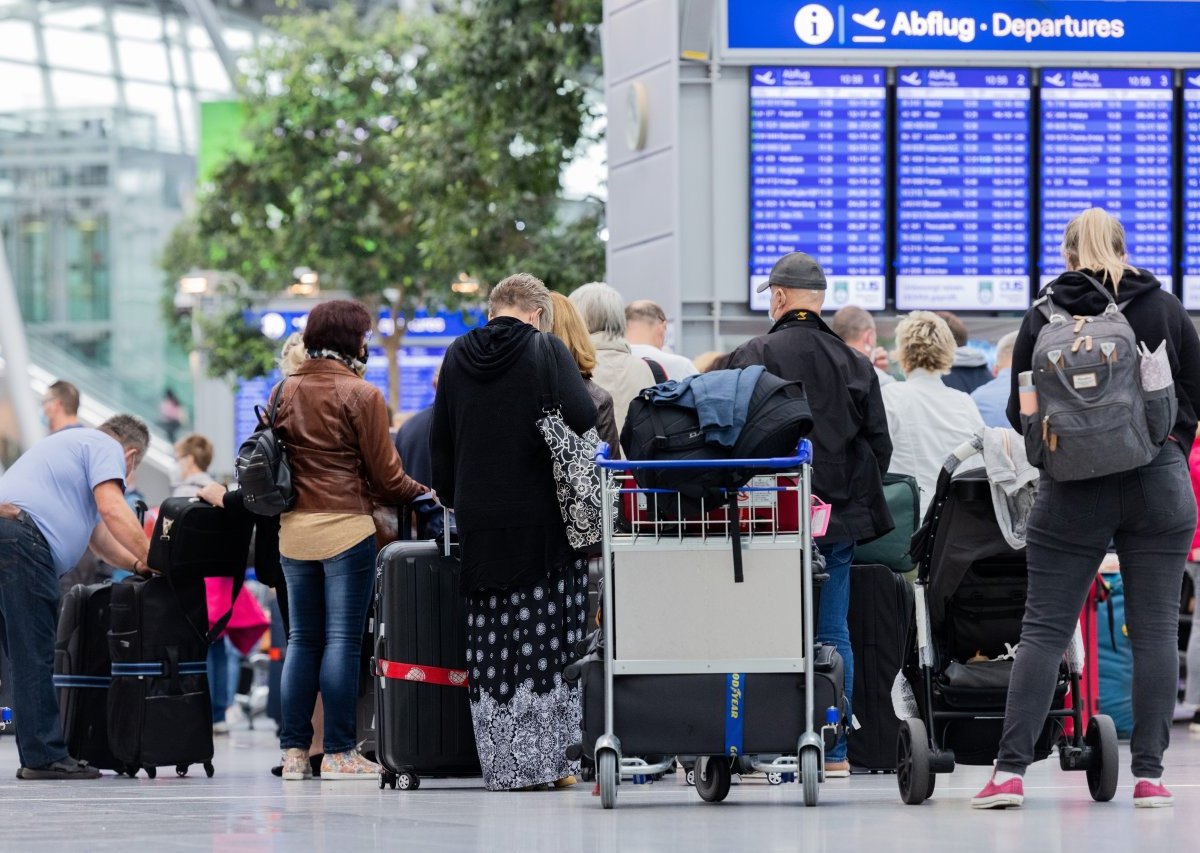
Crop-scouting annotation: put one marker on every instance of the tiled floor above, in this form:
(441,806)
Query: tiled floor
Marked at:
(244,809)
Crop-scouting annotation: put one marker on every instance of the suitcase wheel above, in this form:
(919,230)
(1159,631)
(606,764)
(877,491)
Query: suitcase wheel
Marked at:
(407,781)
(209,770)
(181,770)
(151,772)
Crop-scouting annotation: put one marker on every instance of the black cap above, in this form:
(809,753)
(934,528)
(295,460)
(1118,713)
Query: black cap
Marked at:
(795,269)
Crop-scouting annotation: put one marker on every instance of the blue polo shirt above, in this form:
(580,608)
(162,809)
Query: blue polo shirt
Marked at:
(53,482)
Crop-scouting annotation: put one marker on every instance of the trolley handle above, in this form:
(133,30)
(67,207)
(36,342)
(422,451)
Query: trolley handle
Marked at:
(803,457)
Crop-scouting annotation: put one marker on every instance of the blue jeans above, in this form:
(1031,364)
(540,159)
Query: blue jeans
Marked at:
(328,600)
(224,665)
(832,624)
(29,604)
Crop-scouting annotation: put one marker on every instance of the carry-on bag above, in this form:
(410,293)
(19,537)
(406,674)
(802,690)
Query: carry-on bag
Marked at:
(83,672)
(423,716)
(881,619)
(159,709)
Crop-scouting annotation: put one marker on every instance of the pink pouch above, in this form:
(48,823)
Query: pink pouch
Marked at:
(249,621)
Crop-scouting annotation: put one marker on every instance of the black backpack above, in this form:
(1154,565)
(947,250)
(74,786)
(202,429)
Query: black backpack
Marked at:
(262,468)
(777,417)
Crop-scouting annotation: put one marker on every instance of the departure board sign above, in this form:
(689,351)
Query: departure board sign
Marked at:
(962,188)
(817,163)
(1191,190)
(1106,142)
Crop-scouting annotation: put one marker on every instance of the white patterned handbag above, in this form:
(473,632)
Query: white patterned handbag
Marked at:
(576,477)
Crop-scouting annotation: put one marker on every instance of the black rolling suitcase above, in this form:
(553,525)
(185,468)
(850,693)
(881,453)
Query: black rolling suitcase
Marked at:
(881,618)
(159,709)
(82,674)
(422,714)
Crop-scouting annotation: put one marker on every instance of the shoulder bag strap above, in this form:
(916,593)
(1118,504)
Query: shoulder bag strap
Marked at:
(547,367)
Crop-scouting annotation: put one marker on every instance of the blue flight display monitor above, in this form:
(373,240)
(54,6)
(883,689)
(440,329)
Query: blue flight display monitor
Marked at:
(1191,190)
(962,188)
(1106,142)
(817,182)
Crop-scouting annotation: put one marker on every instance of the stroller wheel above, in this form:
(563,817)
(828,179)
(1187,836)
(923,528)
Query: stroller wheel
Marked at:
(1103,763)
(912,762)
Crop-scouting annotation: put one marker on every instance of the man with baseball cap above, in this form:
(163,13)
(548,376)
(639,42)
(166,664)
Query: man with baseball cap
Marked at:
(851,444)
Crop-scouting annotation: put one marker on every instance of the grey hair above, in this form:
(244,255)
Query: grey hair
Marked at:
(602,309)
(851,323)
(130,431)
(1005,346)
(526,292)
(292,355)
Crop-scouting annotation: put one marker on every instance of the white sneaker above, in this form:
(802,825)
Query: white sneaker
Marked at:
(348,766)
(295,765)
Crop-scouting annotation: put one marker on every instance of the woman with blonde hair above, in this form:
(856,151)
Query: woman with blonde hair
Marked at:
(567,325)
(1148,512)
(926,418)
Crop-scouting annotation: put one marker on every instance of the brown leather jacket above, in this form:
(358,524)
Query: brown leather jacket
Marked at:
(335,428)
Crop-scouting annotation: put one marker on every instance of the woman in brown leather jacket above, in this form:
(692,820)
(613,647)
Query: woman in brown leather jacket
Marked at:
(335,427)
(569,328)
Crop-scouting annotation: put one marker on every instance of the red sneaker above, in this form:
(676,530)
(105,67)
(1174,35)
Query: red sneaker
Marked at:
(1147,795)
(993,796)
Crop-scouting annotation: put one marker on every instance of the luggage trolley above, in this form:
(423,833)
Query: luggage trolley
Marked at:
(710,657)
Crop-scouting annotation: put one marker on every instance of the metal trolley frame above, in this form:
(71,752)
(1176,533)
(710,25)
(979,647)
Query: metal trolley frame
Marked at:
(693,545)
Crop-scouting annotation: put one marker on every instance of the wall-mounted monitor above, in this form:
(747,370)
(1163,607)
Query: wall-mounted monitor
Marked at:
(1106,141)
(1191,190)
(817,177)
(962,188)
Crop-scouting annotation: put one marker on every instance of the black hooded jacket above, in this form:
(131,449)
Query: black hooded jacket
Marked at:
(490,462)
(852,447)
(1155,314)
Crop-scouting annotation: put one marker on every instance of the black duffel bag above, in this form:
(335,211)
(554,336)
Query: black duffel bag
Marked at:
(777,417)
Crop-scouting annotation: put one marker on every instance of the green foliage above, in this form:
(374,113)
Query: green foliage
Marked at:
(394,152)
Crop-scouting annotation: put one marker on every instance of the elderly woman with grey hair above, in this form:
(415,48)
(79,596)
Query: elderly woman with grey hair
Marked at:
(618,371)
(927,420)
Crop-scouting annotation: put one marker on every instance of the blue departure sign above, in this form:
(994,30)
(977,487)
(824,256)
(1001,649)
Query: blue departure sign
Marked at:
(962,188)
(1191,190)
(966,26)
(1106,142)
(817,175)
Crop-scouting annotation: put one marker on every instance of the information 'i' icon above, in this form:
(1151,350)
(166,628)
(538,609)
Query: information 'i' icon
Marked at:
(813,24)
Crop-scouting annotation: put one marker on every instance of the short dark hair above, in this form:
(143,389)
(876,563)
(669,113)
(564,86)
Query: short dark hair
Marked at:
(338,325)
(130,431)
(67,396)
(957,327)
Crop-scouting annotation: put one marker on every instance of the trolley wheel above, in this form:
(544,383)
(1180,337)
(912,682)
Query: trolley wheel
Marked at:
(151,772)
(209,770)
(1103,766)
(713,778)
(181,770)
(406,781)
(810,774)
(912,762)
(775,778)
(606,775)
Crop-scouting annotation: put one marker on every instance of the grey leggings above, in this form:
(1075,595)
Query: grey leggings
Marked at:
(1150,514)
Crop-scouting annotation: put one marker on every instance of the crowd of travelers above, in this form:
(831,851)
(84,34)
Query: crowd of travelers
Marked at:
(476,451)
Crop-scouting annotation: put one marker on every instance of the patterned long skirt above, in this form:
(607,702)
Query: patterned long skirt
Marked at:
(518,642)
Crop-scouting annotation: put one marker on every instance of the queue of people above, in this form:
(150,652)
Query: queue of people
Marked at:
(526,588)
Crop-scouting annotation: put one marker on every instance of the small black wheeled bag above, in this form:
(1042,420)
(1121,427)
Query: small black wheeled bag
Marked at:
(83,673)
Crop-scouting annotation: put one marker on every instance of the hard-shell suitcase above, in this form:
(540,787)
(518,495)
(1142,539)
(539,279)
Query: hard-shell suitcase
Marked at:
(423,717)
(881,618)
(82,674)
(159,709)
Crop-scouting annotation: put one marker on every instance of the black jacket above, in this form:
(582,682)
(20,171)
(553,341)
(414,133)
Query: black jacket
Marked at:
(490,463)
(412,443)
(1155,314)
(851,444)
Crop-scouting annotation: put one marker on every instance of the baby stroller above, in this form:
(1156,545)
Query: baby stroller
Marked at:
(970,600)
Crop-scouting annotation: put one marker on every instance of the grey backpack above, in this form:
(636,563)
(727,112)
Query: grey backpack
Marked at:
(1093,417)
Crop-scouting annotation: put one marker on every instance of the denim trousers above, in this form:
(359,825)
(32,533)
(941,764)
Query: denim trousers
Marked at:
(833,626)
(1149,513)
(328,600)
(29,605)
(224,666)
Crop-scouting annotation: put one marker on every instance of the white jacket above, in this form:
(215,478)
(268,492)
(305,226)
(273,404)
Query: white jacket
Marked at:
(675,366)
(620,373)
(927,421)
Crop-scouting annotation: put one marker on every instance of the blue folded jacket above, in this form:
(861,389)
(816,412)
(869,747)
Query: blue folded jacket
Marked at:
(721,400)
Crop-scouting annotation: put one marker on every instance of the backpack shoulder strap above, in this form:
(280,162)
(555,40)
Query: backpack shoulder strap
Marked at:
(1099,287)
(660,375)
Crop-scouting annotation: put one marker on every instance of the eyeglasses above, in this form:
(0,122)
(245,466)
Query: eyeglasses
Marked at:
(367,336)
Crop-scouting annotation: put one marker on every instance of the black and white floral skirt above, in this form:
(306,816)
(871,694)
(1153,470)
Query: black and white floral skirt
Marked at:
(518,642)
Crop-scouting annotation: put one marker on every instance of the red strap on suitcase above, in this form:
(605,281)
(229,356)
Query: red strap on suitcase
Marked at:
(427,674)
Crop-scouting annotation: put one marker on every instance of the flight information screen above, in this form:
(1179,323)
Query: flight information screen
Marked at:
(817,176)
(962,188)
(1191,190)
(1106,142)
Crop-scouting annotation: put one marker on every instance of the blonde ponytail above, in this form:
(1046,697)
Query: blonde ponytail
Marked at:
(1095,240)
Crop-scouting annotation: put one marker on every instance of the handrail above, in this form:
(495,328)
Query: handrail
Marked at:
(803,457)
